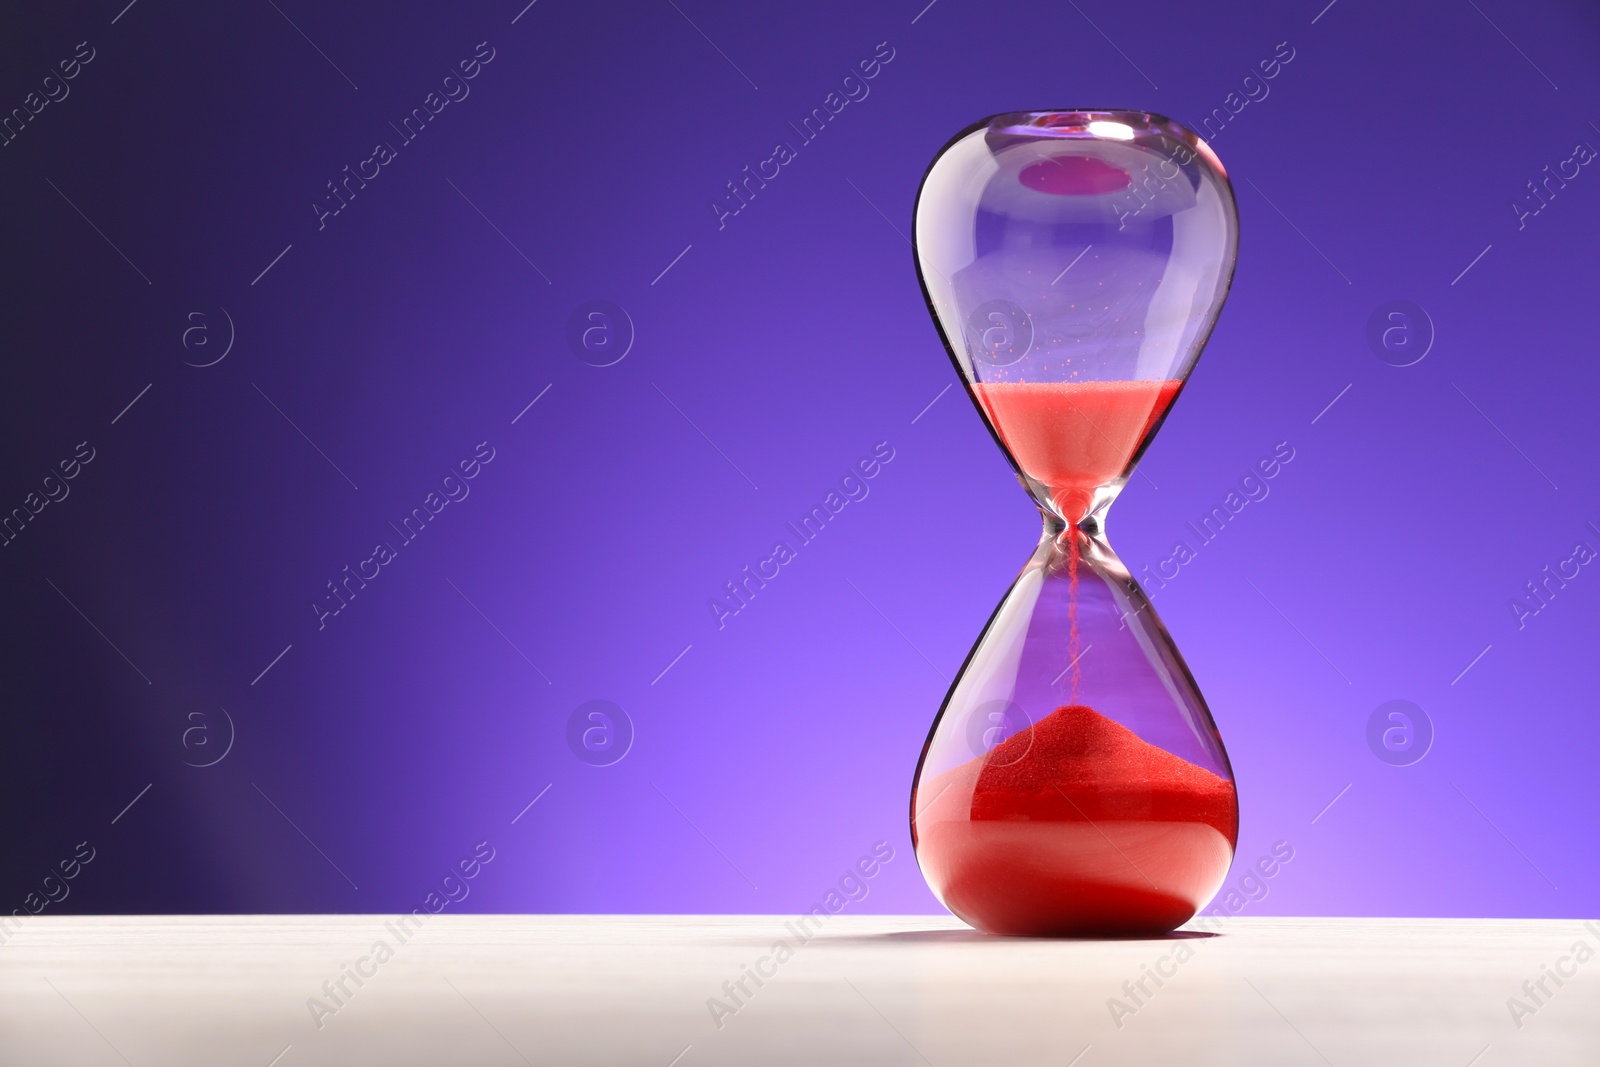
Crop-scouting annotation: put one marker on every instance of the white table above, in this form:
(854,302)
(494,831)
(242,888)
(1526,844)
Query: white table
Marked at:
(577,990)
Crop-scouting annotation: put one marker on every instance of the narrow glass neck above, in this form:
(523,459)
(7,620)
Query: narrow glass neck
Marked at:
(1093,525)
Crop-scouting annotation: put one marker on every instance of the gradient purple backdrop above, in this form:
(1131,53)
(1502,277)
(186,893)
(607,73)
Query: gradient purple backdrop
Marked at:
(771,353)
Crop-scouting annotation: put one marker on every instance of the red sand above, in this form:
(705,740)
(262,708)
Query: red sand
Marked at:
(1074,643)
(1076,826)
(1075,436)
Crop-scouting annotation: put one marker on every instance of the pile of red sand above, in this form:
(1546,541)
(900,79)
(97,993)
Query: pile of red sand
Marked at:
(1076,764)
(1076,826)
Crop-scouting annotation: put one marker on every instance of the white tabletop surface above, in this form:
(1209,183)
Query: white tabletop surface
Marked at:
(578,990)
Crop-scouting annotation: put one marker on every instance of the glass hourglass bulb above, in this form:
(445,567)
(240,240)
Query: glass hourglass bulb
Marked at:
(1073,782)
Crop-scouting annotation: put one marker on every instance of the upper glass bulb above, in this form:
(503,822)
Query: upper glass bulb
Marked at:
(1075,262)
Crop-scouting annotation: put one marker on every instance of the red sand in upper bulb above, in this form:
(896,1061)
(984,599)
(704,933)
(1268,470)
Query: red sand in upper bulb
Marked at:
(1075,436)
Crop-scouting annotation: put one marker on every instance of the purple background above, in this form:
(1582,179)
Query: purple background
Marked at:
(777,749)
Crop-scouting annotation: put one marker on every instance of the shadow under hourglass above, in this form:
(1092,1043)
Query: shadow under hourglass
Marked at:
(978,937)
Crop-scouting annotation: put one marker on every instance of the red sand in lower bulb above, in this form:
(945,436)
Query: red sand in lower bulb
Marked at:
(1076,827)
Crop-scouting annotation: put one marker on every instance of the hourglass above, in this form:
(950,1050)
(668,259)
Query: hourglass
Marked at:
(1073,782)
